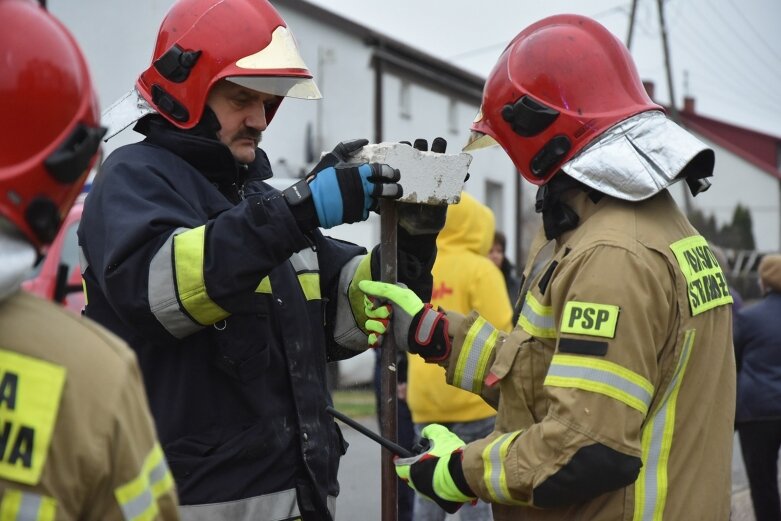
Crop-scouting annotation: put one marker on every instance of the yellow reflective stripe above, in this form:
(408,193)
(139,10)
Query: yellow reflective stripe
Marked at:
(476,350)
(494,475)
(138,498)
(652,483)
(536,319)
(84,289)
(25,506)
(264,286)
(310,285)
(190,285)
(707,286)
(589,318)
(600,376)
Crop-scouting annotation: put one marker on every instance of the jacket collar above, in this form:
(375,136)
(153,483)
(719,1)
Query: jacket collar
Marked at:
(200,147)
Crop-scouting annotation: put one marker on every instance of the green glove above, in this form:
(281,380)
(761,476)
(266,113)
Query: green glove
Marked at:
(418,328)
(437,473)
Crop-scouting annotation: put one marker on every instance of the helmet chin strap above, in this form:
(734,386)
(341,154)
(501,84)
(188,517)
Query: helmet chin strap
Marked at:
(557,216)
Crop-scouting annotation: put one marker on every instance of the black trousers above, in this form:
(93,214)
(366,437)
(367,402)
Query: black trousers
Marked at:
(760,442)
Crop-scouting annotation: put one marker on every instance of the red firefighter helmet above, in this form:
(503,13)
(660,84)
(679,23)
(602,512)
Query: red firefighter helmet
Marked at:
(559,84)
(203,41)
(48,120)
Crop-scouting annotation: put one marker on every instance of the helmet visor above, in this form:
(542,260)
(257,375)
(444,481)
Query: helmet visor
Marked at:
(478,141)
(290,86)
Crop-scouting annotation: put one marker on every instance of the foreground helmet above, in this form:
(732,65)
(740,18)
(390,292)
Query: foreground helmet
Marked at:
(203,41)
(48,120)
(559,84)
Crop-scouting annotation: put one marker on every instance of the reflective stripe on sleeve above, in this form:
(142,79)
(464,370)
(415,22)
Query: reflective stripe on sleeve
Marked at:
(651,486)
(190,285)
(536,319)
(276,506)
(307,270)
(600,376)
(479,343)
(25,506)
(161,291)
(138,498)
(494,475)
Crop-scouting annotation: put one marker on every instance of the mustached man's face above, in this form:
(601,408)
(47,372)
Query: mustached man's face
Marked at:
(242,116)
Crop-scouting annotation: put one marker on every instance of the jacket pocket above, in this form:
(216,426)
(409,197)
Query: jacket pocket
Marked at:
(242,346)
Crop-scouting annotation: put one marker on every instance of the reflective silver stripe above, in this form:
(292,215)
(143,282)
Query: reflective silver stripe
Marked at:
(29,507)
(25,506)
(473,359)
(536,319)
(277,506)
(600,376)
(305,260)
(83,264)
(143,502)
(163,300)
(493,468)
(426,326)
(652,484)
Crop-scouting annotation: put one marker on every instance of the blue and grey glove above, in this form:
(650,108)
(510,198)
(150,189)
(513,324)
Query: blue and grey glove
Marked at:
(337,192)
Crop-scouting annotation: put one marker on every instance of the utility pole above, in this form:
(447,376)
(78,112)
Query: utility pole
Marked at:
(632,13)
(673,109)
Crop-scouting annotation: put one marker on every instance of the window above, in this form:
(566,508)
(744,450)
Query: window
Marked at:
(452,117)
(405,100)
(494,199)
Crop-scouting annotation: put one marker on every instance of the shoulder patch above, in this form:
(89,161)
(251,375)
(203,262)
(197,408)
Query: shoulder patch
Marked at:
(706,284)
(30,391)
(588,318)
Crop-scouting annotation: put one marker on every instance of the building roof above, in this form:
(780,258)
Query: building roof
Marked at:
(760,149)
(398,54)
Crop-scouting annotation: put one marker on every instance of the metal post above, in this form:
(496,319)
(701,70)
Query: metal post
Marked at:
(388,263)
(388,405)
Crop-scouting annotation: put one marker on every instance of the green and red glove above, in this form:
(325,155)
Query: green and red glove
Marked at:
(418,328)
(437,473)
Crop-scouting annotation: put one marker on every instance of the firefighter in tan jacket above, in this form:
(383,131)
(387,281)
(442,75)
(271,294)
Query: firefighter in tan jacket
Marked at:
(76,438)
(615,391)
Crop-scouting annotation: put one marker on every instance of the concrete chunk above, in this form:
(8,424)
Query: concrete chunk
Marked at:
(426,177)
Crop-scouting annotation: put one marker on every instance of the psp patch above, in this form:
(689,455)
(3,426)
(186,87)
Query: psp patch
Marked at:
(707,287)
(589,318)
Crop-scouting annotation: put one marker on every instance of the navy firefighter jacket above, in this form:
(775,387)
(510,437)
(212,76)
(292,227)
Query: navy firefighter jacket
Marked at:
(199,265)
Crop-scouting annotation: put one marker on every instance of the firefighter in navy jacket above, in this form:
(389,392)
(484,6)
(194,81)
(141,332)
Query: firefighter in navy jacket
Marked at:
(232,298)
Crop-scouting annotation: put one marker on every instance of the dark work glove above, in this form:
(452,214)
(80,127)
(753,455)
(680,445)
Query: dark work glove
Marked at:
(336,192)
(424,219)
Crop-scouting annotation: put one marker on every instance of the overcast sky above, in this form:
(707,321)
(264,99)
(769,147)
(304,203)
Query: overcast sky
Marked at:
(724,53)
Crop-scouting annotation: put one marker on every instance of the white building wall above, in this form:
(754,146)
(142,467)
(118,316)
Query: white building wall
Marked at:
(736,181)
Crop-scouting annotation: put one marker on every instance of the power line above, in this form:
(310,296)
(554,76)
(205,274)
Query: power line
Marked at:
(726,54)
(503,43)
(755,32)
(739,35)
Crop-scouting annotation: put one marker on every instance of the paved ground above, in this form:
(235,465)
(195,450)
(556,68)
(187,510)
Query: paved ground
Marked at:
(359,476)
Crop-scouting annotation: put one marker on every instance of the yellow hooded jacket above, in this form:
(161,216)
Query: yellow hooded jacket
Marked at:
(464,279)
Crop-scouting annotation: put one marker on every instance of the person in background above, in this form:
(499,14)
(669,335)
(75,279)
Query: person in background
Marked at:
(498,255)
(464,279)
(226,288)
(77,440)
(615,392)
(757,338)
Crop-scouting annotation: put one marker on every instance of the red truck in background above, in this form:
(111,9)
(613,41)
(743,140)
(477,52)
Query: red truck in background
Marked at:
(58,276)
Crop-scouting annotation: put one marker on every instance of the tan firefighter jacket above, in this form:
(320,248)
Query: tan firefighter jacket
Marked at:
(76,438)
(616,390)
